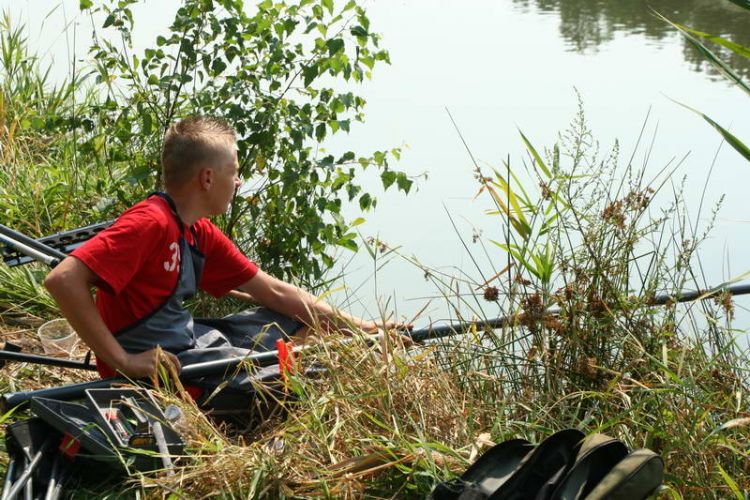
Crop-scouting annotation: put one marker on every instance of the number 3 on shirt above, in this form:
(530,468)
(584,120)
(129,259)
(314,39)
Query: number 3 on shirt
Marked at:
(170,266)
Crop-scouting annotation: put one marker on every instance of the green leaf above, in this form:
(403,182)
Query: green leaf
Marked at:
(309,73)
(745,4)
(109,21)
(358,221)
(8,414)
(723,68)
(218,66)
(320,131)
(536,156)
(404,183)
(388,177)
(365,201)
(731,483)
(334,45)
(738,49)
(85,4)
(712,58)
(346,157)
(367,61)
(328,4)
(513,250)
(733,141)
(379,157)
(348,242)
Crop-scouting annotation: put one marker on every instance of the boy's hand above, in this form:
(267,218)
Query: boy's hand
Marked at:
(143,364)
(375,327)
(390,327)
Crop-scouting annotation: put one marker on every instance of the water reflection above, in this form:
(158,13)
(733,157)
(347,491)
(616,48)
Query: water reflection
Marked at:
(587,24)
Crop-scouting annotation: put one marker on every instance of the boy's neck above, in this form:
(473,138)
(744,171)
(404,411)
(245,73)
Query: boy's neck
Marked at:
(187,209)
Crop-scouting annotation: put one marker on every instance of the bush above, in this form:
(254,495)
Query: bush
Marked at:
(276,76)
(83,150)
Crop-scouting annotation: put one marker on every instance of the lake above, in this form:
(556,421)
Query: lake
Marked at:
(498,66)
(501,66)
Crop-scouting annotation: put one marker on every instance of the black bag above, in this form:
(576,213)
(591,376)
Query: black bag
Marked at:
(565,466)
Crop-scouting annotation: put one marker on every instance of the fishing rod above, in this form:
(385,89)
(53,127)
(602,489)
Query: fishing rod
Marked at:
(189,372)
(503,321)
(421,335)
(47,256)
(230,365)
(224,366)
(11,352)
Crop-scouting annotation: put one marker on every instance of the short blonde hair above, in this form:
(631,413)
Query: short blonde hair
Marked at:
(192,142)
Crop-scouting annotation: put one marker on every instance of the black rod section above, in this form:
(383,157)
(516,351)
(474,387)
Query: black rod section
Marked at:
(75,391)
(458,328)
(44,360)
(495,323)
(664,298)
(62,393)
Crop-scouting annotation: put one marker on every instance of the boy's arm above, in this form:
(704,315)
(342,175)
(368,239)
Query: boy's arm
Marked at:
(301,305)
(70,284)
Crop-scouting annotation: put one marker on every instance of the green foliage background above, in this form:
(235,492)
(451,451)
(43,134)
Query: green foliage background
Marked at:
(81,151)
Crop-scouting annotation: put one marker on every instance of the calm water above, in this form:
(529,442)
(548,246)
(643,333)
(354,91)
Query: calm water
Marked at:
(500,65)
(585,25)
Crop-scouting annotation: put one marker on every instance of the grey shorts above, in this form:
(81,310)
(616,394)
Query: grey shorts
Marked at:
(254,329)
(237,335)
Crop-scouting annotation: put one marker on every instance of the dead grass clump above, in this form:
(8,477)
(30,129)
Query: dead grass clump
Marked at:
(375,418)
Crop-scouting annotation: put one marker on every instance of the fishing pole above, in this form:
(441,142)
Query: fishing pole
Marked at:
(421,335)
(228,366)
(224,366)
(6,354)
(40,251)
(56,246)
(189,372)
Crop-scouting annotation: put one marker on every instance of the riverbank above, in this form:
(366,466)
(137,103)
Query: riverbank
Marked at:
(386,421)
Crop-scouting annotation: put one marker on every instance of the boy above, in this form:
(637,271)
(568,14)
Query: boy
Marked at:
(160,251)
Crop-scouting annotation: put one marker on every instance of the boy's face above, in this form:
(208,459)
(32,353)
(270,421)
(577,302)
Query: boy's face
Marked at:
(227,180)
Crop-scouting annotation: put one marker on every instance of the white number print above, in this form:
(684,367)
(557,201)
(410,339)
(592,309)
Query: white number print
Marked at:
(171,265)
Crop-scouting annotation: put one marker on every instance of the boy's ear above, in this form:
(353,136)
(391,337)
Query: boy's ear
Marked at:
(206,177)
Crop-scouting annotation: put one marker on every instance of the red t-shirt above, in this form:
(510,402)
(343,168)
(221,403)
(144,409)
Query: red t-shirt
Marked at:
(137,260)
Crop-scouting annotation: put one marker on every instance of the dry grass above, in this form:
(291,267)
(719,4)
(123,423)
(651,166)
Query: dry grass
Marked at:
(385,421)
(373,423)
